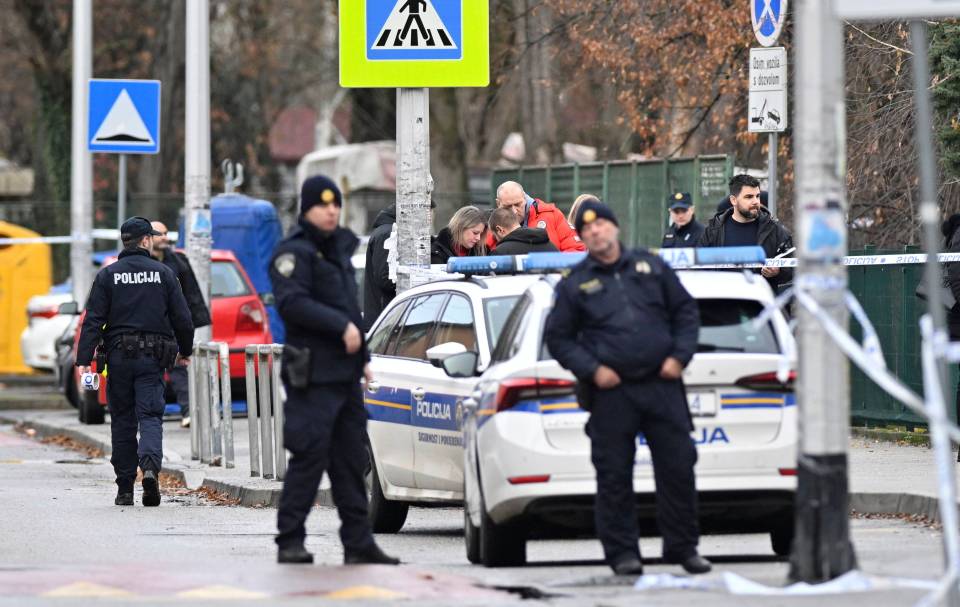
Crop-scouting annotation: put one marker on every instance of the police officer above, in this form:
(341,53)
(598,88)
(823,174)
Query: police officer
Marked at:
(323,361)
(137,313)
(613,300)
(684,230)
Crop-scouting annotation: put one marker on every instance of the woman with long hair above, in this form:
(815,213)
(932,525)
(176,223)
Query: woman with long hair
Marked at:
(464,236)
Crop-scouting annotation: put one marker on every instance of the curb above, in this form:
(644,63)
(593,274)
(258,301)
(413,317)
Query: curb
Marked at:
(909,504)
(915,439)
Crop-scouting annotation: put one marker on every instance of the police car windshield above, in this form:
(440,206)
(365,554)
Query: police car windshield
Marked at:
(497,309)
(226,280)
(726,325)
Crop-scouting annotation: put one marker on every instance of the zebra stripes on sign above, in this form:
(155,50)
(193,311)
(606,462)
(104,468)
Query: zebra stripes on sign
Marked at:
(414,29)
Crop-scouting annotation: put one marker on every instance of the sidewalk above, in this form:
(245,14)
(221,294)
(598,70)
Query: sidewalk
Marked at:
(885,478)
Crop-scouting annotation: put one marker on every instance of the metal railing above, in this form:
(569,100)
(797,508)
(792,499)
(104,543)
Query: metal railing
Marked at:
(265,400)
(211,428)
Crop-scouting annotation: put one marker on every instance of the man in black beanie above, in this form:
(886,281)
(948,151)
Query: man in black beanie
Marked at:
(613,300)
(325,424)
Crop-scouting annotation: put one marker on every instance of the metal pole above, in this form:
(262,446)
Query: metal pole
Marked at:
(414,183)
(821,548)
(772,174)
(192,384)
(277,385)
(197,150)
(202,406)
(122,191)
(249,357)
(266,424)
(81,165)
(216,424)
(935,371)
(227,406)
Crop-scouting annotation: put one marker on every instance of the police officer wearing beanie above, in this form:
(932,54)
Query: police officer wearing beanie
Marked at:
(138,312)
(684,230)
(611,301)
(325,357)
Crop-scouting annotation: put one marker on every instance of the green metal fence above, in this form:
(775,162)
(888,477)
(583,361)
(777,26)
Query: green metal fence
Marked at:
(637,191)
(887,296)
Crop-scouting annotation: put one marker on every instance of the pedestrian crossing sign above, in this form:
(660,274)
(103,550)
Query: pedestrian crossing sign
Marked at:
(414,43)
(123,116)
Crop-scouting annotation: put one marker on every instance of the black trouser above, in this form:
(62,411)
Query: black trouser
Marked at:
(325,429)
(180,383)
(135,400)
(658,409)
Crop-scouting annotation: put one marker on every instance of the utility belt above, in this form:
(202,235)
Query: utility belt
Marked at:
(160,347)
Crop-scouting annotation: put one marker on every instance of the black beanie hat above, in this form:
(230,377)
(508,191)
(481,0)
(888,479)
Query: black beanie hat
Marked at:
(592,209)
(319,190)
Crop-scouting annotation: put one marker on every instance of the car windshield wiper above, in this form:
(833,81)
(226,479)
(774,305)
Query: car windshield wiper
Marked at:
(716,348)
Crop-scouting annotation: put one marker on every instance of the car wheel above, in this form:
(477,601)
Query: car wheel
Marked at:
(781,539)
(471,536)
(70,390)
(503,545)
(91,411)
(386,516)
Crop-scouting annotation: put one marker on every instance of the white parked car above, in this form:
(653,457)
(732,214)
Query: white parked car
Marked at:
(44,328)
(527,456)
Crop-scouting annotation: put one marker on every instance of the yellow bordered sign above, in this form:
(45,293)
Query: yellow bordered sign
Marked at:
(414,43)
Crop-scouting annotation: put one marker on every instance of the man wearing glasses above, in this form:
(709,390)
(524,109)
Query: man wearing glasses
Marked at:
(685,230)
(199,312)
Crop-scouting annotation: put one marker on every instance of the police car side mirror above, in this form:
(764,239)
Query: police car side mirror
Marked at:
(268,299)
(71,308)
(439,353)
(461,365)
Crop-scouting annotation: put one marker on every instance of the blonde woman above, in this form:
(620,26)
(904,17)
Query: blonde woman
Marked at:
(572,215)
(464,236)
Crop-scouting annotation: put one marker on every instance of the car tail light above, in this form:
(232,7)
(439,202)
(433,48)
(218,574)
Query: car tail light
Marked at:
(250,318)
(787,471)
(512,391)
(48,312)
(527,480)
(767,382)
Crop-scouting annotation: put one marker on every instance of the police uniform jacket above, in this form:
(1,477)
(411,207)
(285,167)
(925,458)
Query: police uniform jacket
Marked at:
(316,290)
(629,316)
(683,236)
(137,294)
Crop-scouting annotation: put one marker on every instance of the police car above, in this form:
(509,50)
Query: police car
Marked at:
(527,457)
(415,409)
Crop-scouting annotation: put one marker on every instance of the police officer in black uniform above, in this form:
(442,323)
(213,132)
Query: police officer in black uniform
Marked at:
(323,361)
(626,327)
(685,231)
(138,316)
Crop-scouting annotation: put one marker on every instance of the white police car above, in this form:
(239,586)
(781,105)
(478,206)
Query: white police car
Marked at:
(415,409)
(527,457)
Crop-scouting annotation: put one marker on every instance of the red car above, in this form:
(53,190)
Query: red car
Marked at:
(239,319)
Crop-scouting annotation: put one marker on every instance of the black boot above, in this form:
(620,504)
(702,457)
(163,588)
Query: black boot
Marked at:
(294,555)
(151,488)
(630,565)
(696,564)
(369,556)
(124,498)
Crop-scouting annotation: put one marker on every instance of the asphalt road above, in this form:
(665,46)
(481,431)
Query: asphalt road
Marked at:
(63,542)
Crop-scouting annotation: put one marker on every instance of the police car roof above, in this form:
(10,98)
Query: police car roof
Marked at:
(485,286)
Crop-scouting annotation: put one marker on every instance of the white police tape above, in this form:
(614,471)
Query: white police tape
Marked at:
(98,234)
(867,260)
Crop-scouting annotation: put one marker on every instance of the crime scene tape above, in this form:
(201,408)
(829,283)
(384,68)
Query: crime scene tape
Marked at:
(97,234)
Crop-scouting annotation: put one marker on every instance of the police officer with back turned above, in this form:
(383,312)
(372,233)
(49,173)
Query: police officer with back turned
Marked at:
(137,314)
(626,327)
(325,425)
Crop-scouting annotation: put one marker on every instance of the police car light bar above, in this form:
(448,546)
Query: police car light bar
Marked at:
(555,262)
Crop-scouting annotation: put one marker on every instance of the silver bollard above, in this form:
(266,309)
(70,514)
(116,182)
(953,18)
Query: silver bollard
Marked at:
(216,426)
(253,428)
(202,405)
(192,387)
(227,400)
(266,417)
(279,452)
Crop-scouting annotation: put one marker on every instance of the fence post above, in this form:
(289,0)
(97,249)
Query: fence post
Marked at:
(280,453)
(227,405)
(249,364)
(266,422)
(202,405)
(192,391)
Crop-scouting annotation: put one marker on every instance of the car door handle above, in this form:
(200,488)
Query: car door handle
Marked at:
(419,393)
(373,387)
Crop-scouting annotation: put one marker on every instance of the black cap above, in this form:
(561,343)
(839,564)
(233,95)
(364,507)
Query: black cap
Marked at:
(319,190)
(136,228)
(680,200)
(591,209)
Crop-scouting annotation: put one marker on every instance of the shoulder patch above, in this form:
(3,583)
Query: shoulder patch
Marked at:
(591,286)
(542,224)
(285,264)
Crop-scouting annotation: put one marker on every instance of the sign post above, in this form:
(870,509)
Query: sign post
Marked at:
(413,45)
(124,118)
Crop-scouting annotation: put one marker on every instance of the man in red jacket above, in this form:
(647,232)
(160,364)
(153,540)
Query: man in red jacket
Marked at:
(534,213)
